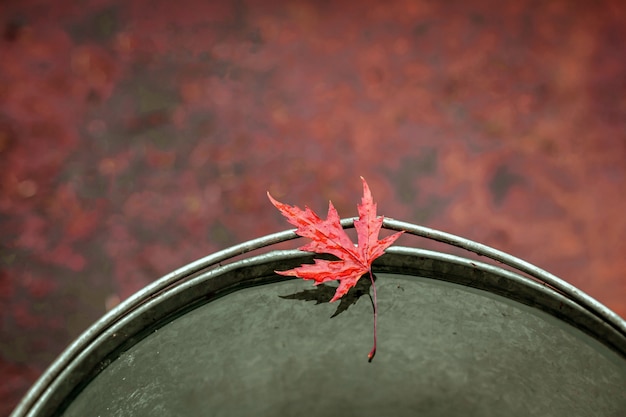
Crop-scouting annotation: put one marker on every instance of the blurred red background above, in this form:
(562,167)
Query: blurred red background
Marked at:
(137,136)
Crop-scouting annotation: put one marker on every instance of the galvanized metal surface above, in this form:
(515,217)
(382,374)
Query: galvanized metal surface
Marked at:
(448,351)
(197,283)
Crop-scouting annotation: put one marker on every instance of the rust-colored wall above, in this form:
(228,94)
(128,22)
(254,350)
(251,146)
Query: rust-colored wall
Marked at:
(137,136)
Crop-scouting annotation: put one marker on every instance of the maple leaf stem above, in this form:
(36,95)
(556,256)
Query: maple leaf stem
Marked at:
(372,353)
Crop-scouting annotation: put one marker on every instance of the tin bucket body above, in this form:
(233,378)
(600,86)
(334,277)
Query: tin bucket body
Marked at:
(455,337)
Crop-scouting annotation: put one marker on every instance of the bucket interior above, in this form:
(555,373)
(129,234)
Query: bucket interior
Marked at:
(455,337)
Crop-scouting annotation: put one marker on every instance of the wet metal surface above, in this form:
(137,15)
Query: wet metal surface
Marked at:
(444,351)
(447,348)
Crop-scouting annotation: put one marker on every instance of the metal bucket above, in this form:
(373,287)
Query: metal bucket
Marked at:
(457,337)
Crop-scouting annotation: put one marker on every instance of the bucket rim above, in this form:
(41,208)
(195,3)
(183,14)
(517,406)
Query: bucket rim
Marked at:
(73,350)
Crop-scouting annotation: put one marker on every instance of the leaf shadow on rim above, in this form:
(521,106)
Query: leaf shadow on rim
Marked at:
(323,293)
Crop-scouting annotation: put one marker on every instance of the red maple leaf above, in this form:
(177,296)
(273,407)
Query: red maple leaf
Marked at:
(328,236)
